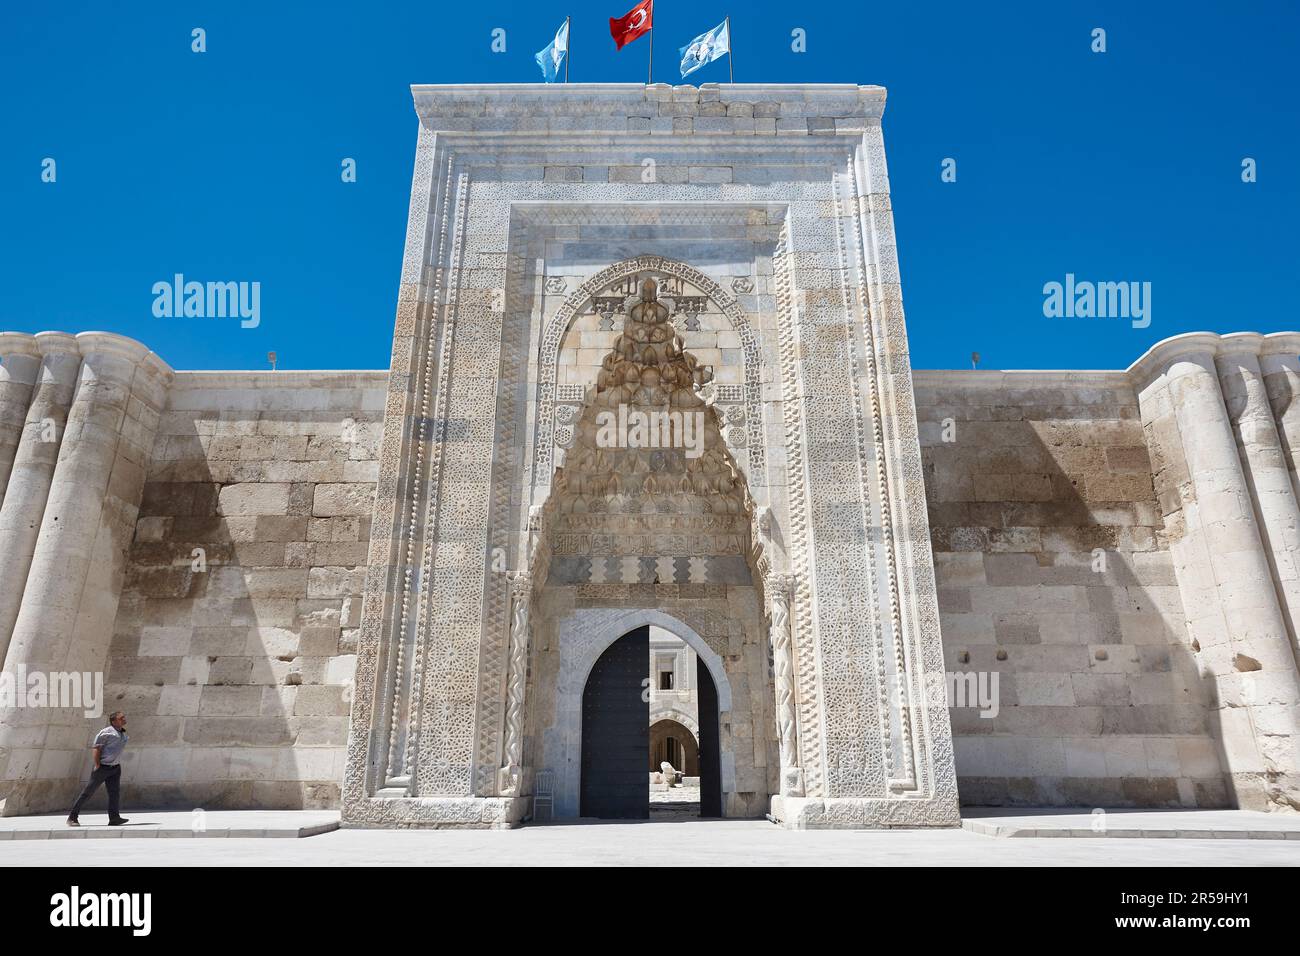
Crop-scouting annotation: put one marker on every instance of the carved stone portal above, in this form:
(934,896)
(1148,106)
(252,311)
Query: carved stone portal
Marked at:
(648,493)
(684,402)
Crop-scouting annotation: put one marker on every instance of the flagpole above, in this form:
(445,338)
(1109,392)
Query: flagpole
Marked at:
(568,47)
(649,71)
(731,60)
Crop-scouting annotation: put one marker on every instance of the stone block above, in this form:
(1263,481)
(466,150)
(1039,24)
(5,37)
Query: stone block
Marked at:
(345,499)
(320,701)
(253,499)
(218,701)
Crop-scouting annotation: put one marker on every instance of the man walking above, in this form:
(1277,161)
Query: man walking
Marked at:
(107,749)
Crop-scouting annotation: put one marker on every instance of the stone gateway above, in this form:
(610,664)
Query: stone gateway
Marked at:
(651,478)
(649,250)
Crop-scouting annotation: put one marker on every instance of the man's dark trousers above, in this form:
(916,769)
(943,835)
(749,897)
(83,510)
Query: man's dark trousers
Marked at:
(111,778)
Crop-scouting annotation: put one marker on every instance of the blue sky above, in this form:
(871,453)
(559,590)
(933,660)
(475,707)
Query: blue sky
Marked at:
(1122,166)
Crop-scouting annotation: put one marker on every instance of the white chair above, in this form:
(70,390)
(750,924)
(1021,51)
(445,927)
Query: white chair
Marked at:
(544,792)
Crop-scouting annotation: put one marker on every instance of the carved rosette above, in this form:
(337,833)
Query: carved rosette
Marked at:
(779,588)
(520,598)
(566,417)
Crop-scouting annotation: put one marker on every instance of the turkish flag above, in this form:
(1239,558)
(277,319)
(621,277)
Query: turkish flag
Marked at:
(632,24)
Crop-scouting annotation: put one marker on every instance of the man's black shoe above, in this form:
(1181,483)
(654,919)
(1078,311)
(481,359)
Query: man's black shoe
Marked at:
(118,822)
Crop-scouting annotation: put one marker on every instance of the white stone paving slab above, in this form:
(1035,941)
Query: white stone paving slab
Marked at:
(649,843)
(232,824)
(1083,823)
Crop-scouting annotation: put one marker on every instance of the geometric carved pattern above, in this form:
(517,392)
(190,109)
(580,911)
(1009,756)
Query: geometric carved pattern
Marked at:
(803,637)
(901,768)
(497,623)
(864,763)
(569,393)
(451,597)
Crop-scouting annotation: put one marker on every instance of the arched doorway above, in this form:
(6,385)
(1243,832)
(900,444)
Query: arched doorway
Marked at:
(616,735)
(673,742)
(581,638)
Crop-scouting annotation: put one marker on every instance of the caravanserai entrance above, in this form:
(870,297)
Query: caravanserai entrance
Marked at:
(624,716)
(678,400)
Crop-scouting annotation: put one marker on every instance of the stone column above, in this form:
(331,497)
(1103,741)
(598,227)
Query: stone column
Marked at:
(33,469)
(1279,359)
(1236,626)
(510,778)
(70,601)
(20,360)
(1265,467)
(779,587)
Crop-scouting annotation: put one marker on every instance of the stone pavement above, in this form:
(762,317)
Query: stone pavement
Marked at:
(649,843)
(184,824)
(1132,824)
(680,803)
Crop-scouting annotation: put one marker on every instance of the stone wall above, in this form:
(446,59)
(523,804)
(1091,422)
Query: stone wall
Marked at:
(236,677)
(1054,574)
(682,704)
(1118,548)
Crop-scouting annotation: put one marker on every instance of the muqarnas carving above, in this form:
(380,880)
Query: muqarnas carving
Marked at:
(648,467)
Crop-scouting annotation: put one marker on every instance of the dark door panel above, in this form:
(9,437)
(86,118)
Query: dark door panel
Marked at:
(616,731)
(710,751)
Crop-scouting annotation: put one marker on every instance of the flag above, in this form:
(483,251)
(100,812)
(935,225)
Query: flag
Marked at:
(632,24)
(550,58)
(705,48)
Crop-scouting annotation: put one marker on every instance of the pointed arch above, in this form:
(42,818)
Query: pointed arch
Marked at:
(553,336)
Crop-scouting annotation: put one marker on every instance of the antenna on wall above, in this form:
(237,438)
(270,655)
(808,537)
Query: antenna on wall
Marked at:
(974,360)
(270,357)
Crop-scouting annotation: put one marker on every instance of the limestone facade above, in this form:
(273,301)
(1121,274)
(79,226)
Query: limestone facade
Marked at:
(385,591)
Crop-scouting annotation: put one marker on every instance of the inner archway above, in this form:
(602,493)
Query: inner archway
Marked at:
(674,744)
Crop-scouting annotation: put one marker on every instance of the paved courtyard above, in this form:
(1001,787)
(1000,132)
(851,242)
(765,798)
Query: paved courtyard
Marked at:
(651,843)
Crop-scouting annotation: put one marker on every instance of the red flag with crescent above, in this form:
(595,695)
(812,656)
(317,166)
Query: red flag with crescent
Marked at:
(632,24)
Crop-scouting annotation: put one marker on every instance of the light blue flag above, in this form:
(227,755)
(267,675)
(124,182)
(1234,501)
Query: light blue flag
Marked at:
(705,48)
(551,58)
